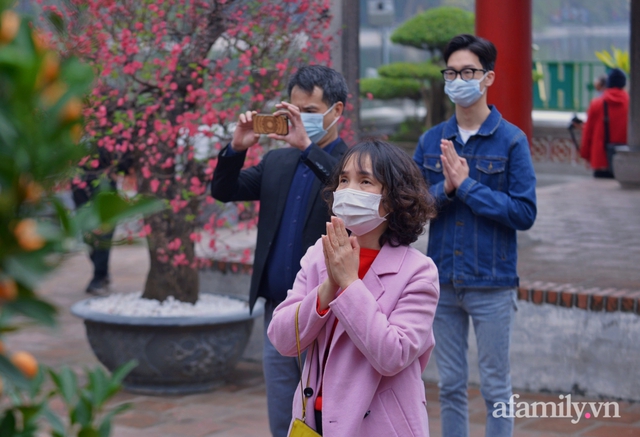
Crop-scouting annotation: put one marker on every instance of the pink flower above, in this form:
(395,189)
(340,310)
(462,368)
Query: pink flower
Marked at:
(177,205)
(154,185)
(180,260)
(175,244)
(146,230)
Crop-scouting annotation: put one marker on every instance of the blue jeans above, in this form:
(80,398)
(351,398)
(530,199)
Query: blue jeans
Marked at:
(492,314)
(281,376)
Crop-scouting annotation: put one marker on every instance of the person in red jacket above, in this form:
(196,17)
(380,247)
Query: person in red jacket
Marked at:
(593,136)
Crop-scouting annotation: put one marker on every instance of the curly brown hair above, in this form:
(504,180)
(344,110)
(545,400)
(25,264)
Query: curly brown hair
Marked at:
(404,191)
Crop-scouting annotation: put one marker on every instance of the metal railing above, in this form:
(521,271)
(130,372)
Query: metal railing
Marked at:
(565,86)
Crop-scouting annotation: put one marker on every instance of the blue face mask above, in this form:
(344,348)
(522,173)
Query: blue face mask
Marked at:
(314,124)
(464,93)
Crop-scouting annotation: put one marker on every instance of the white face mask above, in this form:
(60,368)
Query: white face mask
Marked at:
(358,210)
(464,93)
(314,124)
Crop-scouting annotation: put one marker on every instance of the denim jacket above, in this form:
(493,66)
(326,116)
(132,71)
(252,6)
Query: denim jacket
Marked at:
(473,238)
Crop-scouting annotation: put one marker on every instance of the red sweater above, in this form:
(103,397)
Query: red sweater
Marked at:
(592,148)
(367,256)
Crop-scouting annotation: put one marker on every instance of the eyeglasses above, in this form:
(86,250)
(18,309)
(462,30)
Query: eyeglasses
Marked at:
(466,74)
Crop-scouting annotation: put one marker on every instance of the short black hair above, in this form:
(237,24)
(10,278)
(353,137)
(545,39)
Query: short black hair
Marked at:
(482,48)
(404,190)
(333,86)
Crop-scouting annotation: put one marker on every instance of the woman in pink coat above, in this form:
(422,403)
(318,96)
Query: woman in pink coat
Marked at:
(366,302)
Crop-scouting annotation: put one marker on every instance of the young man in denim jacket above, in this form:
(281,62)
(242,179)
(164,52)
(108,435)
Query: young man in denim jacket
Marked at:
(479,169)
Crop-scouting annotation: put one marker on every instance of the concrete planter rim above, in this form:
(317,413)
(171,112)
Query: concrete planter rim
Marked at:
(81,309)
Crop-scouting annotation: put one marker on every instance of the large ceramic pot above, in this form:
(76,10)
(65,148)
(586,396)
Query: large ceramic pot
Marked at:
(176,355)
(626,168)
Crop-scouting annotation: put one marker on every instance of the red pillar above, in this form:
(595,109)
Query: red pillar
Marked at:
(507,24)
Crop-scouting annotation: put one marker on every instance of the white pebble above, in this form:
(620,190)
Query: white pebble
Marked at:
(132,304)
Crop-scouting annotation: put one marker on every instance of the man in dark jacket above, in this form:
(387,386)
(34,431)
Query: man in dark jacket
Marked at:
(288,183)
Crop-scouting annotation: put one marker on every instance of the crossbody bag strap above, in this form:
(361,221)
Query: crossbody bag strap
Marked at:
(606,122)
(304,399)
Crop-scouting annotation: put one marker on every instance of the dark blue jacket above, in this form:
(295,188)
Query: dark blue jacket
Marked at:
(269,182)
(473,238)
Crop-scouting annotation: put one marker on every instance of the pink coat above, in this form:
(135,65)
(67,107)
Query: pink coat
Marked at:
(380,347)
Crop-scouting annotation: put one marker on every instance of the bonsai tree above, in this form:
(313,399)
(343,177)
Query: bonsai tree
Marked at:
(40,125)
(172,77)
(430,31)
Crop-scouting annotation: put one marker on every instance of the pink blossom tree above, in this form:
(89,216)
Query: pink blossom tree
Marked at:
(166,70)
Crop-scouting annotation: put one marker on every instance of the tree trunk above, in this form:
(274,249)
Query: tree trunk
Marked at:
(426,101)
(439,103)
(165,278)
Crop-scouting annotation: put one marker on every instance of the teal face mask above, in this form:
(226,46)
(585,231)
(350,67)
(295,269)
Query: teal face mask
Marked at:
(314,124)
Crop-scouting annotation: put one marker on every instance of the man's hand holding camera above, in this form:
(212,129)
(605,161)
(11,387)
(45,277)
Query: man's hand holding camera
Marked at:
(244,136)
(297,136)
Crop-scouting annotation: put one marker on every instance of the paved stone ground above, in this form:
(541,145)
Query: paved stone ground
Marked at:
(587,233)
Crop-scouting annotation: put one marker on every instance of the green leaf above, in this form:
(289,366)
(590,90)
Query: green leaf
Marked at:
(88,432)
(113,208)
(56,21)
(606,58)
(98,386)
(55,422)
(82,412)
(39,310)
(30,413)
(67,384)
(105,426)
(14,57)
(115,384)
(7,328)
(67,224)
(121,372)
(8,424)
(7,129)
(27,268)
(78,74)
(35,384)
(86,218)
(12,374)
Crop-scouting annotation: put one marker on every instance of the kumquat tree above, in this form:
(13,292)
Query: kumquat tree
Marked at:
(41,123)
